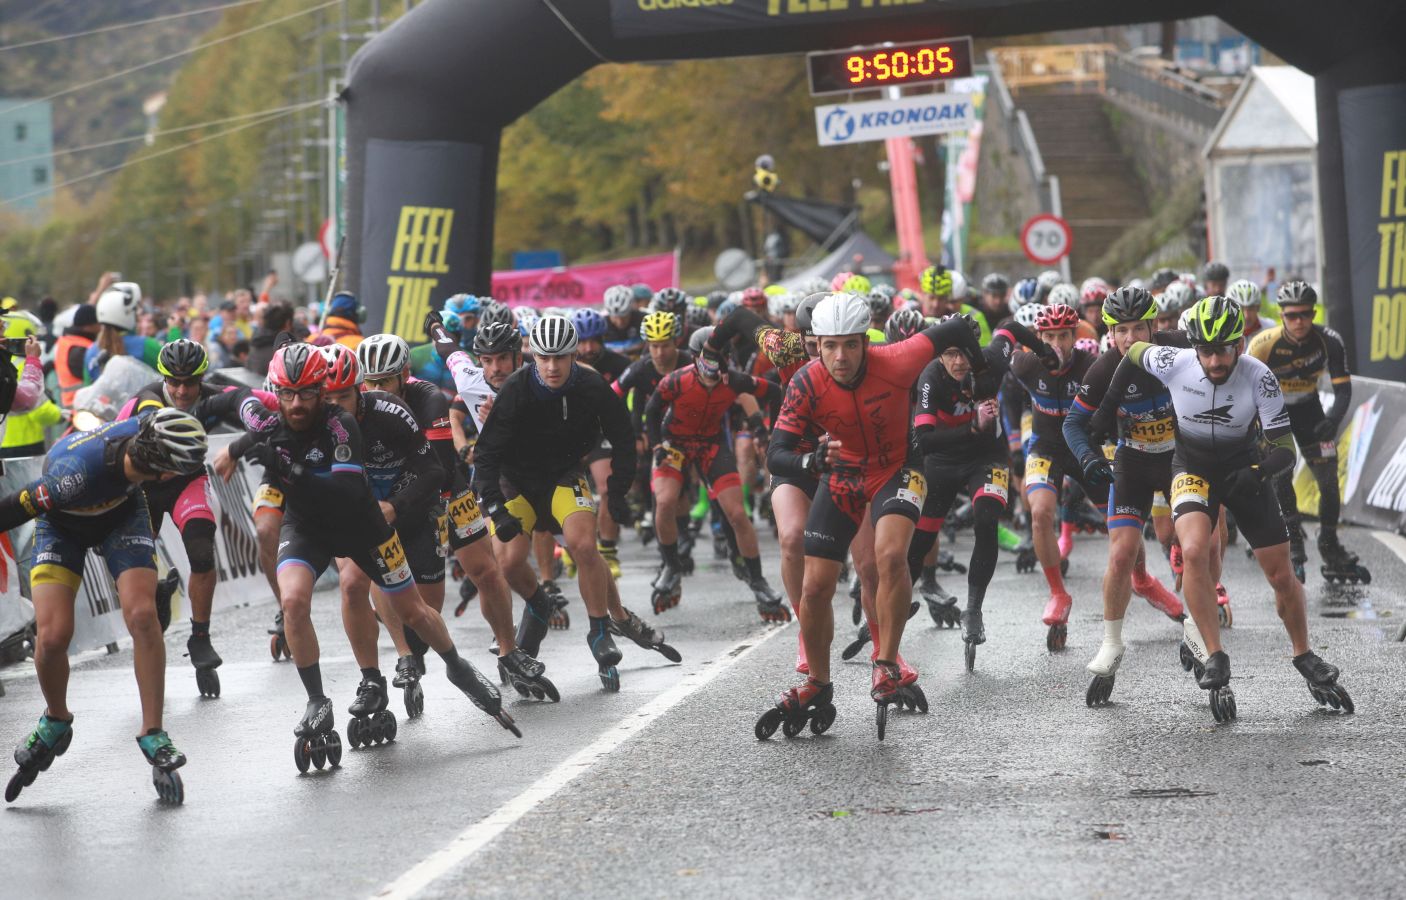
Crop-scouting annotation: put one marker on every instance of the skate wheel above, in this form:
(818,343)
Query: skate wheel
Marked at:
(168,786)
(1345,699)
(1057,637)
(1100,689)
(414,701)
(388,725)
(208,683)
(549,689)
(1225,616)
(852,650)
(332,745)
(1364,575)
(273,647)
(792,725)
(610,679)
(559,621)
(1223,704)
(822,719)
(768,723)
(507,722)
(354,733)
(317,752)
(669,653)
(918,700)
(881,718)
(971,656)
(1186,657)
(301,756)
(13,788)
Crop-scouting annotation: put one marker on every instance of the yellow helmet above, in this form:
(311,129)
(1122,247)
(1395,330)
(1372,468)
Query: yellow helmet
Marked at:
(660,326)
(936,282)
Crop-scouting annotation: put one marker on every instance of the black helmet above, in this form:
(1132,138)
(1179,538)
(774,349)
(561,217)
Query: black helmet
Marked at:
(697,316)
(182,359)
(1296,293)
(1162,278)
(1215,271)
(716,299)
(805,308)
(497,337)
(670,299)
(493,311)
(995,283)
(1128,304)
(903,324)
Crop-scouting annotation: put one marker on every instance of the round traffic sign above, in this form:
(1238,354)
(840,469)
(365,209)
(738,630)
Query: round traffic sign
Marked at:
(1046,239)
(734,269)
(309,264)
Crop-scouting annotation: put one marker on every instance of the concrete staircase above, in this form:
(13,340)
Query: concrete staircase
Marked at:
(1099,187)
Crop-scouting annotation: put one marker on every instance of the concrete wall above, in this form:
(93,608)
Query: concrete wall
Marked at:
(1165,154)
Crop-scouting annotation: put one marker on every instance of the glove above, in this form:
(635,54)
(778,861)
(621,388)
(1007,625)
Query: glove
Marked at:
(505,525)
(817,462)
(1097,471)
(1242,484)
(266,455)
(661,454)
(1325,431)
(1049,356)
(444,344)
(619,509)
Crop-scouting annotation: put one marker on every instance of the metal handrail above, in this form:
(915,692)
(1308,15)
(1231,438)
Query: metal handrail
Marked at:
(1165,92)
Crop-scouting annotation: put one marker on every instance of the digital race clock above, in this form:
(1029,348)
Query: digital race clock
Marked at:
(841,71)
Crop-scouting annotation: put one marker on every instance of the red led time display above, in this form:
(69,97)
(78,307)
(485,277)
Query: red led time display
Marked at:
(841,71)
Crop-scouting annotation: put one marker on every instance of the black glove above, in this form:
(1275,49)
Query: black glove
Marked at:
(661,453)
(817,462)
(1097,471)
(1242,484)
(619,509)
(266,455)
(444,343)
(1325,431)
(1049,356)
(505,525)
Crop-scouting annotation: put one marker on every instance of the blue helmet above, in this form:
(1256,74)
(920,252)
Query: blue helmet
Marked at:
(1026,290)
(462,303)
(589,324)
(726,309)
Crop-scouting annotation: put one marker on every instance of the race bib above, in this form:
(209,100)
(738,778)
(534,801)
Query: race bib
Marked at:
(1188,488)
(1110,451)
(673,458)
(913,489)
(1155,433)
(1328,450)
(463,510)
(997,484)
(1037,470)
(268,497)
(584,498)
(392,555)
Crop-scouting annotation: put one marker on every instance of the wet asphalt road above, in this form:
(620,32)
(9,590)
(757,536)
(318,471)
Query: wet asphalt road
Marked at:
(1010,785)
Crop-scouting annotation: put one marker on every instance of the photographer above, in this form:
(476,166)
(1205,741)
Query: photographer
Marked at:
(23,392)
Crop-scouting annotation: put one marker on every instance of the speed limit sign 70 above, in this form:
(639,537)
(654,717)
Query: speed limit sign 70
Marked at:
(1046,239)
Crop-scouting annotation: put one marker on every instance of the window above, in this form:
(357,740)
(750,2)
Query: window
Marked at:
(41,175)
(21,131)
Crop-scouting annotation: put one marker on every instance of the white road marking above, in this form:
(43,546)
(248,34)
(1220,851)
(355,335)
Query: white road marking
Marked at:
(481,833)
(1393,542)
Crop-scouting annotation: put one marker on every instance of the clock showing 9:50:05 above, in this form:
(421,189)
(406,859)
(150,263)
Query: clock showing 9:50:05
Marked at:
(890,65)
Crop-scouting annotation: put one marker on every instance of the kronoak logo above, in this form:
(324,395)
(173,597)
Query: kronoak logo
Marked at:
(652,5)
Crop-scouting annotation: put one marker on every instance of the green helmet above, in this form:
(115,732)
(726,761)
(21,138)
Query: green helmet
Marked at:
(1215,320)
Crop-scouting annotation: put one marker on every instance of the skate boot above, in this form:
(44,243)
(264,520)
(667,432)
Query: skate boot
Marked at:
(205,660)
(1223,606)
(607,655)
(558,619)
(685,545)
(1066,541)
(467,592)
(942,606)
(739,568)
(770,606)
(166,590)
(645,635)
(407,678)
(278,643)
(1155,593)
(1298,556)
(371,723)
(1057,617)
(467,678)
(947,563)
(973,633)
(532,627)
(526,676)
(811,704)
(1006,539)
(1192,651)
(645,527)
(855,590)
(1104,667)
(888,681)
(1025,559)
(1340,565)
(317,744)
(865,634)
(720,548)
(611,555)
(165,759)
(1216,679)
(1322,681)
(667,588)
(49,739)
(910,695)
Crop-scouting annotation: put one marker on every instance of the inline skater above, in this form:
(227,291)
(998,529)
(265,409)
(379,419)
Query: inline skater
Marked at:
(527,469)
(1298,352)
(314,450)
(1222,400)
(955,428)
(858,400)
(1141,468)
(690,433)
(1049,460)
(89,497)
(590,332)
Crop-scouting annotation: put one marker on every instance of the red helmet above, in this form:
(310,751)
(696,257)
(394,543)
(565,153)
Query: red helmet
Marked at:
(1093,290)
(1054,318)
(298,365)
(343,370)
(754,298)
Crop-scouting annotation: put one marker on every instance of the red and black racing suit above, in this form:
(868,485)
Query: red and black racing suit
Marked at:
(692,425)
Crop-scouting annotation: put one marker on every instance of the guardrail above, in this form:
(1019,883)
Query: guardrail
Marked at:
(1052,64)
(1164,92)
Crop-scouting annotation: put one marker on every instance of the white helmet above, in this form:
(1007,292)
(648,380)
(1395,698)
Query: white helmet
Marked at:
(618,300)
(1245,293)
(552,336)
(1048,279)
(118,305)
(1185,318)
(959,285)
(1027,314)
(1176,297)
(840,314)
(1064,294)
(382,355)
(170,441)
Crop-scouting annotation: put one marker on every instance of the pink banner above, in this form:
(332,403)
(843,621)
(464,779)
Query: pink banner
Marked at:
(583,285)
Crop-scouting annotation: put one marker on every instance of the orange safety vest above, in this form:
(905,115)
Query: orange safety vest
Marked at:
(342,330)
(69,380)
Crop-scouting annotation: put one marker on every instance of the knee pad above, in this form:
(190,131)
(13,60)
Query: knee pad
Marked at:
(199,540)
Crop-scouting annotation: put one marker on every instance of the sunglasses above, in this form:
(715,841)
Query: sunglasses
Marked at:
(183,382)
(1297,316)
(378,382)
(304,394)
